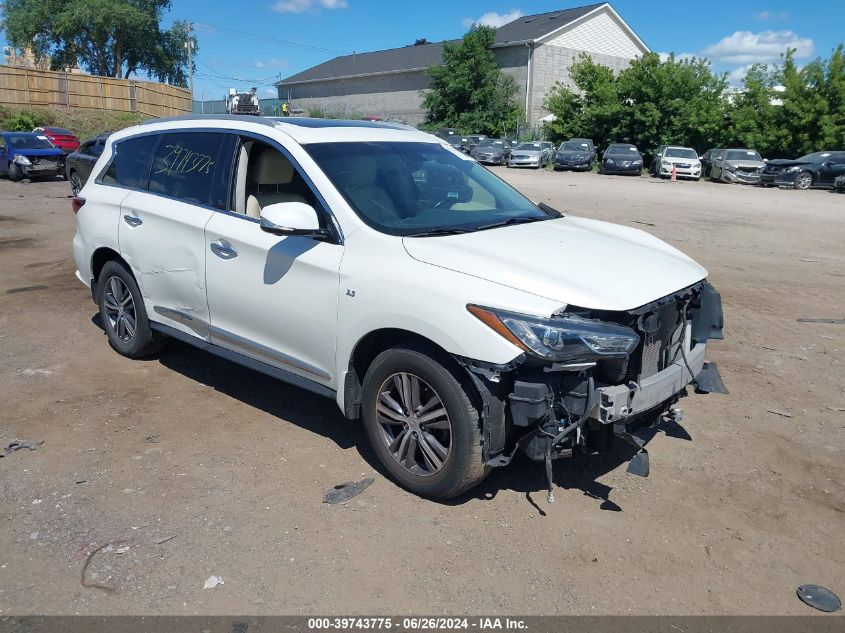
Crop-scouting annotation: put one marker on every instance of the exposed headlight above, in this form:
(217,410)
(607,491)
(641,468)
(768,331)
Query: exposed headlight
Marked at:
(21,160)
(728,167)
(565,338)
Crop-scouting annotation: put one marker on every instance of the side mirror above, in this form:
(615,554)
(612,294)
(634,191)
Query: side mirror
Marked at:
(291,218)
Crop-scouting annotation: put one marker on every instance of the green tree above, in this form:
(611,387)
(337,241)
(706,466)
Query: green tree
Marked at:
(754,116)
(651,102)
(113,38)
(469,91)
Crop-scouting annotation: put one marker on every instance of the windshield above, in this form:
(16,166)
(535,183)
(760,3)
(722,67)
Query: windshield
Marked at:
(455,140)
(742,154)
(488,142)
(680,152)
(574,146)
(622,149)
(29,141)
(420,188)
(809,158)
(530,146)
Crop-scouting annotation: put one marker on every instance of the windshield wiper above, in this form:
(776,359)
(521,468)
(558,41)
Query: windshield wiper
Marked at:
(509,221)
(438,231)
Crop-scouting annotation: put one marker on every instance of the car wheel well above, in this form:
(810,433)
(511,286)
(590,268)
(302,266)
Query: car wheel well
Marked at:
(100,258)
(372,345)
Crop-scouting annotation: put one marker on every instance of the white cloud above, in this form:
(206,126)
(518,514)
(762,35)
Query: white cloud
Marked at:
(767,16)
(745,47)
(737,75)
(301,6)
(271,92)
(275,62)
(494,19)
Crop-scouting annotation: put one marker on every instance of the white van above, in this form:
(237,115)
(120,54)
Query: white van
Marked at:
(376,265)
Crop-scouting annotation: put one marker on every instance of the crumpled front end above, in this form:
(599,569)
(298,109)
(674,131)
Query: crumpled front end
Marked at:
(553,409)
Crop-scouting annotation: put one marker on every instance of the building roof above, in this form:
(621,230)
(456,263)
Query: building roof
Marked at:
(528,28)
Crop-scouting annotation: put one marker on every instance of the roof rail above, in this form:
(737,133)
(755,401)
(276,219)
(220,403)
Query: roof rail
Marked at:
(261,120)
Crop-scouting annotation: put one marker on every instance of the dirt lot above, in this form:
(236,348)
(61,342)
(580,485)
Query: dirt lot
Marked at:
(199,467)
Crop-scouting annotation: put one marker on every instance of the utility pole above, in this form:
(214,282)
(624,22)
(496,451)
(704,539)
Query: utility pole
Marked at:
(190,46)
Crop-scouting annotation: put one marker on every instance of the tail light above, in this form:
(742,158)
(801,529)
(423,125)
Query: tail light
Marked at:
(76,203)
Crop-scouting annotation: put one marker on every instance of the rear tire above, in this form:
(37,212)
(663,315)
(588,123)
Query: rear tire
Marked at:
(404,430)
(123,313)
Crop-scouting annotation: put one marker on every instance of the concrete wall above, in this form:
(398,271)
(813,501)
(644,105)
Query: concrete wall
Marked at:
(394,95)
(550,64)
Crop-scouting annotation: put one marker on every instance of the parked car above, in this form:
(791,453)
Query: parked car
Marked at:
(683,160)
(79,164)
(621,158)
(492,151)
(61,137)
(24,155)
(818,169)
(586,144)
(736,165)
(534,154)
(707,161)
(446,132)
(444,320)
(575,155)
(839,183)
(475,139)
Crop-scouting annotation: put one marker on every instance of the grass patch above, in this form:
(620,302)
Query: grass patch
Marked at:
(82,122)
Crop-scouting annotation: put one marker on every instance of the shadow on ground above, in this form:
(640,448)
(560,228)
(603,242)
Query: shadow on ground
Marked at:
(321,416)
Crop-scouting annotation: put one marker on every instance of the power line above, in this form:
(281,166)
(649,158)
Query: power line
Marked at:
(267,38)
(215,74)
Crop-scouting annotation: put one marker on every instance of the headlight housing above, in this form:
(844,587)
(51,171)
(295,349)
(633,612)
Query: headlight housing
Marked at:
(567,338)
(665,163)
(21,160)
(793,169)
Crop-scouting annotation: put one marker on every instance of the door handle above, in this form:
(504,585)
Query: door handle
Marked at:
(132,220)
(223,249)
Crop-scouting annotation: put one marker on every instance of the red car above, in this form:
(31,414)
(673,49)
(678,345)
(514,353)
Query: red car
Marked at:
(64,139)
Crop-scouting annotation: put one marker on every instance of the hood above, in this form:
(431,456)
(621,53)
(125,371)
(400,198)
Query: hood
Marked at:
(570,260)
(489,149)
(574,153)
(674,160)
(786,162)
(526,152)
(52,151)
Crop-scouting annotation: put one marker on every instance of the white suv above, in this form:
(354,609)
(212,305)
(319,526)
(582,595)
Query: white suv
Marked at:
(376,265)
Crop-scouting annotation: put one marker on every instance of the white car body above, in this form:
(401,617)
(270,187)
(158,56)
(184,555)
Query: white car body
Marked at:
(684,167)
(298,308)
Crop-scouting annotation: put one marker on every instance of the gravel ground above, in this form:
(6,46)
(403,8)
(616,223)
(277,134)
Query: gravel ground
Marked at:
(186,466)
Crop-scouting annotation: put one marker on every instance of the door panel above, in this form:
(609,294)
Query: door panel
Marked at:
(163,242)
(273,298)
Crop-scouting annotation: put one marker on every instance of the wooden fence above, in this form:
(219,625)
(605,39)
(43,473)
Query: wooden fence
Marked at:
(25,87)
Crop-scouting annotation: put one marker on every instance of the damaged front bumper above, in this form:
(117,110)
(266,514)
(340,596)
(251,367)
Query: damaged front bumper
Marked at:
(550,410)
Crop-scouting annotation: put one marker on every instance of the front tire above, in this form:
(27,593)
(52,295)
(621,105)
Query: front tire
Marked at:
(804,180)
(15,173)
(123,313)
(75,182)
(422,423)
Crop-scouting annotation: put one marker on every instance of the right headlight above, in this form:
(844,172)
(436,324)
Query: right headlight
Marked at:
(565,338)
(20,159)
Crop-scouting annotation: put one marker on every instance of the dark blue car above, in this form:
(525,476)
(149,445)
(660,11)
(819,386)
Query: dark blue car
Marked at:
(28,155)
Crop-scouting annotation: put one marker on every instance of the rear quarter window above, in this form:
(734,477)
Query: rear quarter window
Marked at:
(130,165)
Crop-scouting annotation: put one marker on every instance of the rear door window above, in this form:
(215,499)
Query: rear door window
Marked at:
(184,166)
(130,166)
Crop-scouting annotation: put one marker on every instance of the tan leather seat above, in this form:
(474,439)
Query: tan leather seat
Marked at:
(271,168)
(372,200)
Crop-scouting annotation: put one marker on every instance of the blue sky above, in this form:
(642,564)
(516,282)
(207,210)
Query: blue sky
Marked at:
(254,44)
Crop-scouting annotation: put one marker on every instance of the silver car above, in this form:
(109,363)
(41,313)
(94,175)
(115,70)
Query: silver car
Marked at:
(736,165)
(534,154)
